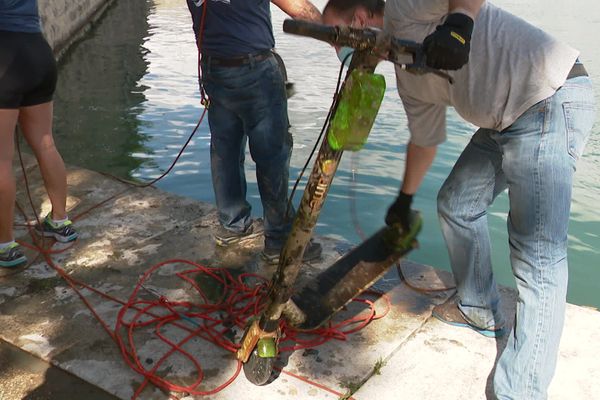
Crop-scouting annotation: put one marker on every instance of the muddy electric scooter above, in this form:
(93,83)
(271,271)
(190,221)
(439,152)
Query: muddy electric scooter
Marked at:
(353,114)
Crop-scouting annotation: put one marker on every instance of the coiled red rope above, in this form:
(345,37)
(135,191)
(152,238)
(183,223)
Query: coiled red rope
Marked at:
(242,299)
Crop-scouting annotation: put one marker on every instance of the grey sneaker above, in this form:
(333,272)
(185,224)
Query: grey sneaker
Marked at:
(311,253)
(63,233)
(12,256)
(225,237)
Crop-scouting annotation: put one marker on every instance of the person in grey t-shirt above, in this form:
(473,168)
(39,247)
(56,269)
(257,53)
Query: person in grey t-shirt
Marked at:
(533,103)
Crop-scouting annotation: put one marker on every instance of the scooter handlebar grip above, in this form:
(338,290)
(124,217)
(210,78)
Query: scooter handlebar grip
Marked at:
(311,29)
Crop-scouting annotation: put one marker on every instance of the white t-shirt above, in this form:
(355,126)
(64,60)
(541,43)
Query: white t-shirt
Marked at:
(512,66)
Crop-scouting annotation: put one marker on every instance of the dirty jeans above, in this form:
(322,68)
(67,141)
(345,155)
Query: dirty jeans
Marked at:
(248,104)
(535,159)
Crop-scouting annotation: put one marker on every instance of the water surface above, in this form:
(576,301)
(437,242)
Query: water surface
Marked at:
(128,99)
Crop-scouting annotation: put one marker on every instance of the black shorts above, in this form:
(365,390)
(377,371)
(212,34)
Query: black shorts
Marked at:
(27,70)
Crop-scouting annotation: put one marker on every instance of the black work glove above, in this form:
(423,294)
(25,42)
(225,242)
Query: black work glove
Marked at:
(399,212)
(448,47)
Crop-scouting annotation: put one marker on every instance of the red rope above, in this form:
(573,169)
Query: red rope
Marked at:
(316,384)
(203,98)
(239,302)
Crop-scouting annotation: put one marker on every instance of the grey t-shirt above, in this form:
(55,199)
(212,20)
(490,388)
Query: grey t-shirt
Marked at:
(512,66)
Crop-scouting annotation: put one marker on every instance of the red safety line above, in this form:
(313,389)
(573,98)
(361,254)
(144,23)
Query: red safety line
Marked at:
(239,303)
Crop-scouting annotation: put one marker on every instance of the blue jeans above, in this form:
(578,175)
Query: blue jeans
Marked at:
(535,159)
(249,104)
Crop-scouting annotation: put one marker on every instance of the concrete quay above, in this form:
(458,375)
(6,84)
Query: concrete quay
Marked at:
(406,354)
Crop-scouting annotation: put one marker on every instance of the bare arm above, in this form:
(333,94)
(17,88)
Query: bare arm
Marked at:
(299,9)
(418,161)
(467,7)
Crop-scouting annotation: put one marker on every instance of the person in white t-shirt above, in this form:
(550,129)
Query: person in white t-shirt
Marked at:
(533,103)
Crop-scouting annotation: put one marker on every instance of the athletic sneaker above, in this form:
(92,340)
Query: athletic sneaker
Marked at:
(225,237)
(313,252)
(12,256)
(63,232)
(450,313)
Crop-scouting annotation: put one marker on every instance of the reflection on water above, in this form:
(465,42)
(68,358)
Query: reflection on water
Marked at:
(172,106)
(129,93)
(99,96)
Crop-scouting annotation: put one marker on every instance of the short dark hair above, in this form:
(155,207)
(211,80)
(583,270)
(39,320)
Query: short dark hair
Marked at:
(376,7)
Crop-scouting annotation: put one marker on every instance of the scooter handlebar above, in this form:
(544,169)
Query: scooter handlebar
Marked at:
(384,46)
(360,39)
(321,32)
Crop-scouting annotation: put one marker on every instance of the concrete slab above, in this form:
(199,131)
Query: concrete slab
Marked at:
(346,365)
(438,362)
(578,369)
(20,372)
(445,362)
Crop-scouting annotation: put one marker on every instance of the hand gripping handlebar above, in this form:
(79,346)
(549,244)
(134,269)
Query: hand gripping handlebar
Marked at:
(375,41)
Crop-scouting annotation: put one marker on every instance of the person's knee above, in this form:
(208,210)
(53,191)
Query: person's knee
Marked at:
(43,146)
(6,156)
(6,173)
(271,156)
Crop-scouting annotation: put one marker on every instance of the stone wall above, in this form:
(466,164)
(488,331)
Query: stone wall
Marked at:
(64,20)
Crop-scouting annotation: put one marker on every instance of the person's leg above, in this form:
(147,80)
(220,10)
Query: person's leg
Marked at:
(36,125)
(540,150)
(227,147)
(8,122)
(270,146)
(471,187)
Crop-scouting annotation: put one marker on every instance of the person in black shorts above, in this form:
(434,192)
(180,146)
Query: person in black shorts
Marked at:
(27,82)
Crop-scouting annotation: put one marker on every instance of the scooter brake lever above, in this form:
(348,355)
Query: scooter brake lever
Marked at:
(423,69)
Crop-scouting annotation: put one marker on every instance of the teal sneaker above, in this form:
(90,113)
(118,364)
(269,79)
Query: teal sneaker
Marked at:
(450,313)
(12,256)
(63,233)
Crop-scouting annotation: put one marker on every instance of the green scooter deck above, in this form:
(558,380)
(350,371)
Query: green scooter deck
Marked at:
(348,277)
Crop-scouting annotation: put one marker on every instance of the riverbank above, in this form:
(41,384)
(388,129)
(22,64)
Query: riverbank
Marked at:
(407,353)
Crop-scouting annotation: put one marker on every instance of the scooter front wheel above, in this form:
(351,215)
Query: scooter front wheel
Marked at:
(260,361)
(258,369)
